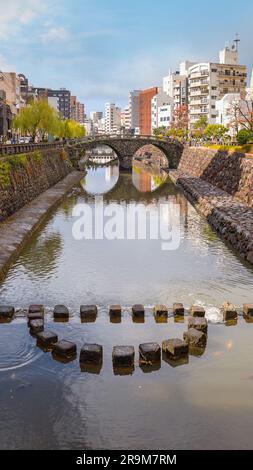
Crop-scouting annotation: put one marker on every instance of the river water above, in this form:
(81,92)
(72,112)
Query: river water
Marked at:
(205,403)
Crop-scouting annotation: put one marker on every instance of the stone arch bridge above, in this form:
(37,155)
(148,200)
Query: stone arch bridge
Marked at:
(125,147)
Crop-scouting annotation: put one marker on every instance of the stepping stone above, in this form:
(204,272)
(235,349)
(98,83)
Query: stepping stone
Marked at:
(88,312)
(47,338)
(149,353)
(175,348)
(64,348)
(36,309)
(229,312)
(196,311)
(248,310)
(35,316)
(36,326)
(6,312)
(115,310)
(91,354)
(138,311)
(61,312)
(198,323)
(123,356)
(195,338)
(160,311)
(178,309)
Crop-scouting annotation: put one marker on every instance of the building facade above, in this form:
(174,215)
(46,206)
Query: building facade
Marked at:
(10,85)
(161,110)
(209,82)
(133,105)
(112,118)
(5,117)
(145,99)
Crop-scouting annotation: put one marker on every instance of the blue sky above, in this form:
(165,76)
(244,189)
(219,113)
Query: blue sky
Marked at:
(101,49)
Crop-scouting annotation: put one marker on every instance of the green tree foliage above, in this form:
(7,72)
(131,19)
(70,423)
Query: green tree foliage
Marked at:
(244,136)
(38,120)
(215,131)
(160,131)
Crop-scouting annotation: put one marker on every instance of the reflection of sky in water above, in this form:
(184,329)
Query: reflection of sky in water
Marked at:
(100,179)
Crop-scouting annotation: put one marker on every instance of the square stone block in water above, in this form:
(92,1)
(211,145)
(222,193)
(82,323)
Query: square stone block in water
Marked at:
(35,316)
(61,312)
(91,354)
(138,310)
(178,309)
(6,312)
(175,348)
(35,308)
(248,310)
(197,311)
(88,313)
(115,310)
(229,312)
(64,348)
(160,311)
(36,326)
(195,338)
(150,353)
(199,323)
(123,356)
(47,338)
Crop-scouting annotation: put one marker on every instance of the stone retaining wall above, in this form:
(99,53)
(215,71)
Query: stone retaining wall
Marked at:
(231,219)
(23,177)
(230,171)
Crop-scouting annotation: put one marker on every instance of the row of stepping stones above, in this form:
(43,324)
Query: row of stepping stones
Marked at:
(89,312)
(122,356)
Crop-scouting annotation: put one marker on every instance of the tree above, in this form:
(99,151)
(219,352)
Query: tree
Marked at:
(244,136)
(180,117)
(201,124)
(36,120)
(215,131)
(159,131)
(241,113)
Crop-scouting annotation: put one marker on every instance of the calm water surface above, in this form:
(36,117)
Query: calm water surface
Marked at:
(206,403)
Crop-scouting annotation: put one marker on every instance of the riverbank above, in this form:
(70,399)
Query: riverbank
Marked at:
(230,218)
(17,229)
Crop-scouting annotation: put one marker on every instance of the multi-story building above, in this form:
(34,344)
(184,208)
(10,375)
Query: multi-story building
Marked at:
(133,105)
(125,120)
(175,84)
(53,101)
(77,111)
(250,91)
(10,84)
(5,117)
(96,116)
(112,118)
(62,94)
(209,82)
(161,110)
(145,98)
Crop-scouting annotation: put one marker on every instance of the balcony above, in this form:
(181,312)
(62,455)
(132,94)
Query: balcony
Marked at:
(198,83)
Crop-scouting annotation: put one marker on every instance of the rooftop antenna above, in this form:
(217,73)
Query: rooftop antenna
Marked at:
(236,41)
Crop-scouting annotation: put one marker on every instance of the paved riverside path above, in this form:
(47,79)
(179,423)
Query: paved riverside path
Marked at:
(16,229)
(231,219)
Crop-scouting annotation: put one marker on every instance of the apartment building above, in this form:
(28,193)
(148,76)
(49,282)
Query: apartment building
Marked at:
(10,85)
(133,105)
(161,110)
(209,82)
(112,118)
(175,84)
(145,99)
(126,119)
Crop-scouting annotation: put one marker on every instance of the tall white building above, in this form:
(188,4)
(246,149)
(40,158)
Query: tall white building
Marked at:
(161,110)
(133,105)
(175,84)
(209,82)
(112,118)
(125,119)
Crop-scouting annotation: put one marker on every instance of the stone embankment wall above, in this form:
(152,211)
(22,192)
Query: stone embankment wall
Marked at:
(232,172)
(23,177)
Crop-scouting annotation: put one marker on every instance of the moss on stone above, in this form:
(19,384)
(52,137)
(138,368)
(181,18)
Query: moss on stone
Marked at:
(5,174)
(36,155)
(18,160)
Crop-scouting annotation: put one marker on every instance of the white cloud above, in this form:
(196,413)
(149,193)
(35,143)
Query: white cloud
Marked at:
(17,13)
(4,65)
(58,33)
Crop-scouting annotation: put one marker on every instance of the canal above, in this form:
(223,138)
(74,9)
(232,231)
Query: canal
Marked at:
(204,403)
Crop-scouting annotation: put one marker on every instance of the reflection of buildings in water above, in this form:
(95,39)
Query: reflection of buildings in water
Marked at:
(142,180)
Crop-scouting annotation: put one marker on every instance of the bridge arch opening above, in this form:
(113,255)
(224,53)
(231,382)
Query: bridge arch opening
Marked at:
(102,170)
(148,168)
